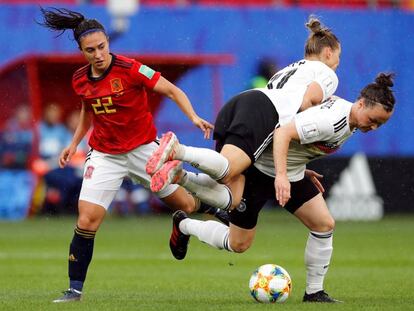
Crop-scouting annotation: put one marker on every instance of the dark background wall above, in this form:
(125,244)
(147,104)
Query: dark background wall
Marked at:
(392,177)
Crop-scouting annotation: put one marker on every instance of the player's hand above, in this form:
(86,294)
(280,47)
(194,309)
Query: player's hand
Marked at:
(314,177)
(282,189)
(66,155)
(205,126)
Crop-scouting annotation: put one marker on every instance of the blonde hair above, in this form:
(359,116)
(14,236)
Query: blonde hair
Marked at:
(319,37)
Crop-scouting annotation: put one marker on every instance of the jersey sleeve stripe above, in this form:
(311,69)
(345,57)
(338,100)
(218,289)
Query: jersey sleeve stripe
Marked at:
(337,129)
(121,63)
(340,121)
(340,124)
(80,72)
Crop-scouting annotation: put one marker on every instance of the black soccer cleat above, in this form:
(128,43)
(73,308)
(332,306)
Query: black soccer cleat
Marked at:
(70,295)
(320,296)
(220,214)
(178,240)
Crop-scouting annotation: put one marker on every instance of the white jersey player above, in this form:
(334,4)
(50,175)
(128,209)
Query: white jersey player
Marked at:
(243,129)
(315,132)
(287,88)
(322,130)
(244,126)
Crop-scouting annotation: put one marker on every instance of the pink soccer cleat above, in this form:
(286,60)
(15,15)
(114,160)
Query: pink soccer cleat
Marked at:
(168,174)
(165,152)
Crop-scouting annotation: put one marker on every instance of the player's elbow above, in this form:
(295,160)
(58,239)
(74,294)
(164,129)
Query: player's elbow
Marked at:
(174,93)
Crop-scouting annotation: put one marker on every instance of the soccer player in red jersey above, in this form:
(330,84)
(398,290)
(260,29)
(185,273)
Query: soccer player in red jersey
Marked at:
(112,89)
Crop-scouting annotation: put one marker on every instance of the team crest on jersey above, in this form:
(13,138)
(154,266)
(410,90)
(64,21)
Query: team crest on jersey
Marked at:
(242,206)
(116,85)
(327,147)
(88,172)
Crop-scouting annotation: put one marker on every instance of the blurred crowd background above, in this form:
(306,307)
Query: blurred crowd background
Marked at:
(212,50)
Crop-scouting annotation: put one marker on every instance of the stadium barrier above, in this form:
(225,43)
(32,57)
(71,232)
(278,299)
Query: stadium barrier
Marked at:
(16,187)
(362,184)
(357,188)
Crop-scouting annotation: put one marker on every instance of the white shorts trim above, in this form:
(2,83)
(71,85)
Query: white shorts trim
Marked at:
(99,197)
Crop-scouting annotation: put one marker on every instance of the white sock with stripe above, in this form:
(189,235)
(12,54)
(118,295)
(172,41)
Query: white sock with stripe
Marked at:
(207,190)
(206,160)
(211,232)
(318,253)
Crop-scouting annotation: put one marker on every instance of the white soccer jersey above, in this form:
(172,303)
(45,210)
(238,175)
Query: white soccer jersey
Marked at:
(322,130)
(287,87)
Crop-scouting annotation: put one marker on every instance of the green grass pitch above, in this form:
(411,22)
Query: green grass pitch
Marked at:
(132,268)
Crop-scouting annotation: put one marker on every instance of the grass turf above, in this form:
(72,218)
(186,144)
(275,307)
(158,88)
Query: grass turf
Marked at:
(132,268)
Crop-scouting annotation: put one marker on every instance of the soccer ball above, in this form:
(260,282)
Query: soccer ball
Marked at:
(270,283)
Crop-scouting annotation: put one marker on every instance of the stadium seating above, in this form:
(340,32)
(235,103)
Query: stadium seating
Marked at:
(339,4)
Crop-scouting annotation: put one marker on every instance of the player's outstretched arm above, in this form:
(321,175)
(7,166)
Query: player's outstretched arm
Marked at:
(168,89)
(281,140)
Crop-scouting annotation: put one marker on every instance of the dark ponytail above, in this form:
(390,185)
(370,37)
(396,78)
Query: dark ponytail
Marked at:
(380,92)
(63,19)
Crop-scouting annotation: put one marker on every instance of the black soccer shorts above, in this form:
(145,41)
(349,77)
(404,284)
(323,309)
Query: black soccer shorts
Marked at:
(246,121)
(259,188)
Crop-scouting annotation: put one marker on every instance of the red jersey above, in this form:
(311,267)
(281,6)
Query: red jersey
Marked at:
(118,103)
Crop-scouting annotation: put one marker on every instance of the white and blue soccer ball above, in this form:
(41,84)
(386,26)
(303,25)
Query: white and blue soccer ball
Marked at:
(270,283)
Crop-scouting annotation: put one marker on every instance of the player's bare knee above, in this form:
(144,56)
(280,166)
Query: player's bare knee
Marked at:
(325,225)
(180,200)
(329,224)
(240,246)
(88,222)
(188,205)
(188,208)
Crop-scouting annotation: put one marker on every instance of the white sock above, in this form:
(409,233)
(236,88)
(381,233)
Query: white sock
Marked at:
(206,160)
(211,232)
(207,190)
(318,253)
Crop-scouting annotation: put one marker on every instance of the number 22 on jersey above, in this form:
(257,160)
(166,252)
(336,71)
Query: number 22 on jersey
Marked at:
(103,105)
